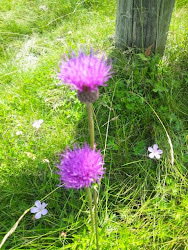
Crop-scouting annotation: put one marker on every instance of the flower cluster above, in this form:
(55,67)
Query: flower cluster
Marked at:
(80,167)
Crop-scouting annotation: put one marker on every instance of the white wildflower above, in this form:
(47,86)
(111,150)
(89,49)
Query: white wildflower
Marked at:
(155,152)
(39,209)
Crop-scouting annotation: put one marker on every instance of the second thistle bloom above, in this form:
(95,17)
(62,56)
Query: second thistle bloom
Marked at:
(85,73)
(80,167)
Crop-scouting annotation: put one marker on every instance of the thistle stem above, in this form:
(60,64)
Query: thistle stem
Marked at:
(96,217)
(92,141)
(91,124)
(90,207)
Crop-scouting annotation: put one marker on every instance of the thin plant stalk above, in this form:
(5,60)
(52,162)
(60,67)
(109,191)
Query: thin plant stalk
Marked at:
(92,141)
(91,125)
(90,207)
(96,216)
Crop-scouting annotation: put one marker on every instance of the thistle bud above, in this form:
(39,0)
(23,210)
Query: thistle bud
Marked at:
(88,96)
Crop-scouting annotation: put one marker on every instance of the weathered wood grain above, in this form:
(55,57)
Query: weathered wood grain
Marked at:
(141,23)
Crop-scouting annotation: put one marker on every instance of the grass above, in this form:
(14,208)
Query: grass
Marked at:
(143,203)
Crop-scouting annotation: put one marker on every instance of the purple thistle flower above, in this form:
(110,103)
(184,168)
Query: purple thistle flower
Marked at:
(80,167)
(85,71)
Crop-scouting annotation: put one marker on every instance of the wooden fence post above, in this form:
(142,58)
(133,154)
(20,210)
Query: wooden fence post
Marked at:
(142,23)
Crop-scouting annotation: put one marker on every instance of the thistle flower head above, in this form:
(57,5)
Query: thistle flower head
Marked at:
(80,167)
(85,71)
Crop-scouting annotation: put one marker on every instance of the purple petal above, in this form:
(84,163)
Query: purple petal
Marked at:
(150,149)
(34,210)
(155,147)
(38,204)
(44,211)
(159,151)
(43,205)
(38,215)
